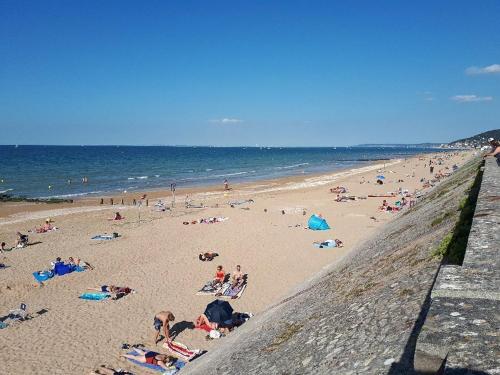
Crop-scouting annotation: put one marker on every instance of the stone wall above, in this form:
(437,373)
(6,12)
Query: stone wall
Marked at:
(461,334)
(361,316)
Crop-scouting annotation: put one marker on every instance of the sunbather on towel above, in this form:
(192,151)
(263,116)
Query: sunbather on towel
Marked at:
(79,263)
(45,227)
(162,319)
(162,360)
(237,277)
(207,256)
(220,275)
(113,289)
(202,320)
(103,370)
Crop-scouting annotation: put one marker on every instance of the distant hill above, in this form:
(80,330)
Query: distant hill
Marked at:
(400,145)
(477,140)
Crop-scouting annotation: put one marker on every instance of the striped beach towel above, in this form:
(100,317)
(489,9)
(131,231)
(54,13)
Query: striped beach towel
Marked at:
(181,350)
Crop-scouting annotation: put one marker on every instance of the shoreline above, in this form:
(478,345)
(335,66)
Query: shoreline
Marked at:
(206,192)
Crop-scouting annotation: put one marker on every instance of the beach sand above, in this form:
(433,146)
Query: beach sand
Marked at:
(158,257)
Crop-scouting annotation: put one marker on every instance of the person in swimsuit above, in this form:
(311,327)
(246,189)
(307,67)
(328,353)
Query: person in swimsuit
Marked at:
(220,275)
(162,319)
(237,277)
(162,360)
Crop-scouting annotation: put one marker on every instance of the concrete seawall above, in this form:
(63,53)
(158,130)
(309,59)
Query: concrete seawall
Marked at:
(361,316)
(461,334)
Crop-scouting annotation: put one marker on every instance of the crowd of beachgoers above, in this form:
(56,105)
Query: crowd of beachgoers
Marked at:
(123,267)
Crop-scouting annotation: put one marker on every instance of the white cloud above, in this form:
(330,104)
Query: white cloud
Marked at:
(490,69)
(226,120)
(471,98)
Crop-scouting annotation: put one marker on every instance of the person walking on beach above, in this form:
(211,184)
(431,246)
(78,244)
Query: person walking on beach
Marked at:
(162,319)
(226,184)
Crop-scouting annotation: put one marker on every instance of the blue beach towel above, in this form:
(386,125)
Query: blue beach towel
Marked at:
(42,276)
(178,365)
(95,296)
(3,325)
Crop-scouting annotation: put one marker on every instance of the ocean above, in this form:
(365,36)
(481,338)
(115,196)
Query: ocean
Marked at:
(57,171)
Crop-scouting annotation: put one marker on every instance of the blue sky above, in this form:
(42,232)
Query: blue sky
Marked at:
(311,73)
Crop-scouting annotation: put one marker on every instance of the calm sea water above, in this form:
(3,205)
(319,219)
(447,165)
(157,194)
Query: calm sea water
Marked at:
(30,170)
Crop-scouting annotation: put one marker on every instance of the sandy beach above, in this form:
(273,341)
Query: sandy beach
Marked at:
(157,256)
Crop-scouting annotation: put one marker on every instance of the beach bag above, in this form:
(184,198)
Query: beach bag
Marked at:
(214,334)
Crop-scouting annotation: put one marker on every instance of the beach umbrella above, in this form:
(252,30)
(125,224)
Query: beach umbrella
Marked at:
(219,311)
(380,177)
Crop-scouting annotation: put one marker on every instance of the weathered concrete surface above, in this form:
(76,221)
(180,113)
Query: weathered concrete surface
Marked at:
(463,322)
(359,317)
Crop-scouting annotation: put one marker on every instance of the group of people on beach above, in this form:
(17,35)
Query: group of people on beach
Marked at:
(163,320)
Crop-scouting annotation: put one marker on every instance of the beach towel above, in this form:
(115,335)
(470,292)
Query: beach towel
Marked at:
(178,364)
(210,289)
(325,244)
(3,325)
(95,296)
(42,276)
(243,201)
(234,293)
(212,220)
(181,350)
(105,237)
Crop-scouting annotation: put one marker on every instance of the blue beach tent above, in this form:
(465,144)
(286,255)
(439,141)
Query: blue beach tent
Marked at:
(317,223)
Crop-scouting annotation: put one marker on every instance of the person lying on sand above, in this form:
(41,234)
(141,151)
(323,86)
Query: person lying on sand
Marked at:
(79,263)
(103,370)
(338,190)
(220,275)
(202,320)
(207,256)
(162,360)
(113,289)
(162,319)
(237,277)
(45,227)
(342,198)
